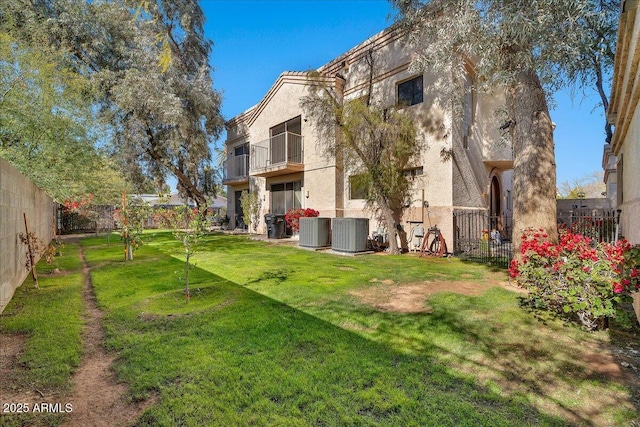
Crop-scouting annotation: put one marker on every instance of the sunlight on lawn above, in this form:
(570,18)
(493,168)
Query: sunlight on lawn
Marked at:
(482,339)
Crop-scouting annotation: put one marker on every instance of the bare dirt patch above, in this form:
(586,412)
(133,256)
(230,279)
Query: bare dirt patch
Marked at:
(11,345)
(411,297)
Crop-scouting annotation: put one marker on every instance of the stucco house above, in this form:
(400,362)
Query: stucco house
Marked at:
(624,114)
(273,148)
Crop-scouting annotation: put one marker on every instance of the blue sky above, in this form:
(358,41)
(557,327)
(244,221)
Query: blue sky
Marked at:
(255,41)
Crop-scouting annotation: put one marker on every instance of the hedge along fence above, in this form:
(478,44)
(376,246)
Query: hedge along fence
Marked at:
(20,196)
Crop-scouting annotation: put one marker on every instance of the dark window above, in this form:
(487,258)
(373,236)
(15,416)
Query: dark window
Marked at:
(410,92)
(294,126)
(240,163)
(413,172)
(286,142)
(286,196)
(241,149)
(620,184)
(239,214)
(358,187)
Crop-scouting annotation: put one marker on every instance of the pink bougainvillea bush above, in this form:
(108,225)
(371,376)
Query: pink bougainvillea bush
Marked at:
(293,216)
(577,278)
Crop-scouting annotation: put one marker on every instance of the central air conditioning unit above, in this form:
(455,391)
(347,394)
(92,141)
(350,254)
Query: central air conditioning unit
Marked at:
(350,234)
(315,232)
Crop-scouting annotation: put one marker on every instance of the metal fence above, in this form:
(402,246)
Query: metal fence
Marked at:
(94,219)
(601,225)
(481,237)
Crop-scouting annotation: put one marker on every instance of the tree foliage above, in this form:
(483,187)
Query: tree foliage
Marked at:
(589,187)
(594,68)
(161,119)
(526,50)
(46,124)
(377,143)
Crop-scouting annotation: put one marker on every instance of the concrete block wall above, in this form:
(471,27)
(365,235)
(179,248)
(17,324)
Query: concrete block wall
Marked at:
(19,196)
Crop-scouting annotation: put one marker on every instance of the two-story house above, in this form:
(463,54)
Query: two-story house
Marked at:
(273,148)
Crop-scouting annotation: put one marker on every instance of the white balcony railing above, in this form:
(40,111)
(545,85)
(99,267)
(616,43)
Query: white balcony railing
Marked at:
(236,167)
(278,151)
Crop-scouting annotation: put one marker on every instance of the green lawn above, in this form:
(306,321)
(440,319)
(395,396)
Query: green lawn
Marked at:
(276,335)
(50,319)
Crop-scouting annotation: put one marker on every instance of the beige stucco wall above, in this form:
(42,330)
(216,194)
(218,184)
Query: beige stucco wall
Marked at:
(319,177)
(630,154)
(624,114)
(19,196)
(325,189)
(391,66)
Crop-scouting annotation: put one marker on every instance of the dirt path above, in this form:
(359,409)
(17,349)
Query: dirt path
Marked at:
(97,398)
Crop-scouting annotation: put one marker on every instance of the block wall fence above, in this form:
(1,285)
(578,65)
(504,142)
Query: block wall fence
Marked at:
(19,196)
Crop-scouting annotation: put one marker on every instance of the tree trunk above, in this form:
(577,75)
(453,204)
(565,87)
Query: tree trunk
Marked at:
(187,293)
(391,220)
(401,233)
(391,235)
(534,169)
(183,179)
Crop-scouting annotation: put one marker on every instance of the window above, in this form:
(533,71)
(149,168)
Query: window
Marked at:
(241,149)
(286,196)
(240,162)
(294,126)
(358,187)
(413,172)
(286,142)
(410,92)
(621,179)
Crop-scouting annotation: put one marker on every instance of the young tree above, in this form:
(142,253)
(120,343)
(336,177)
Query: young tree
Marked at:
(524,49)
(250,203)
(378,143)
(131,220)
(188,225)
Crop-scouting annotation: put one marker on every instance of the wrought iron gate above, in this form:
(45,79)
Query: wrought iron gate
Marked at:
(481,237)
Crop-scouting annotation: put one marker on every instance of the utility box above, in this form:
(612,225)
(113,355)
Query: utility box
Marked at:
(315,232)
(349,234)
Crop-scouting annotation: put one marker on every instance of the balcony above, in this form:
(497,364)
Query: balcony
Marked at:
(497,155)
(278,155)
(236,170)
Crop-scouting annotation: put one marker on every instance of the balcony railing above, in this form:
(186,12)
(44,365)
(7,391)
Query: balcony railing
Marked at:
(236,168)
(277,155)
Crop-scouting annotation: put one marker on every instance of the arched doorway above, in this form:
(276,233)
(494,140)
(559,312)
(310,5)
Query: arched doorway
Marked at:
(495,208)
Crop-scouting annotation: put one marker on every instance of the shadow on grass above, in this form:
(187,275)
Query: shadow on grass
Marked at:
(235,357)
(545,369)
